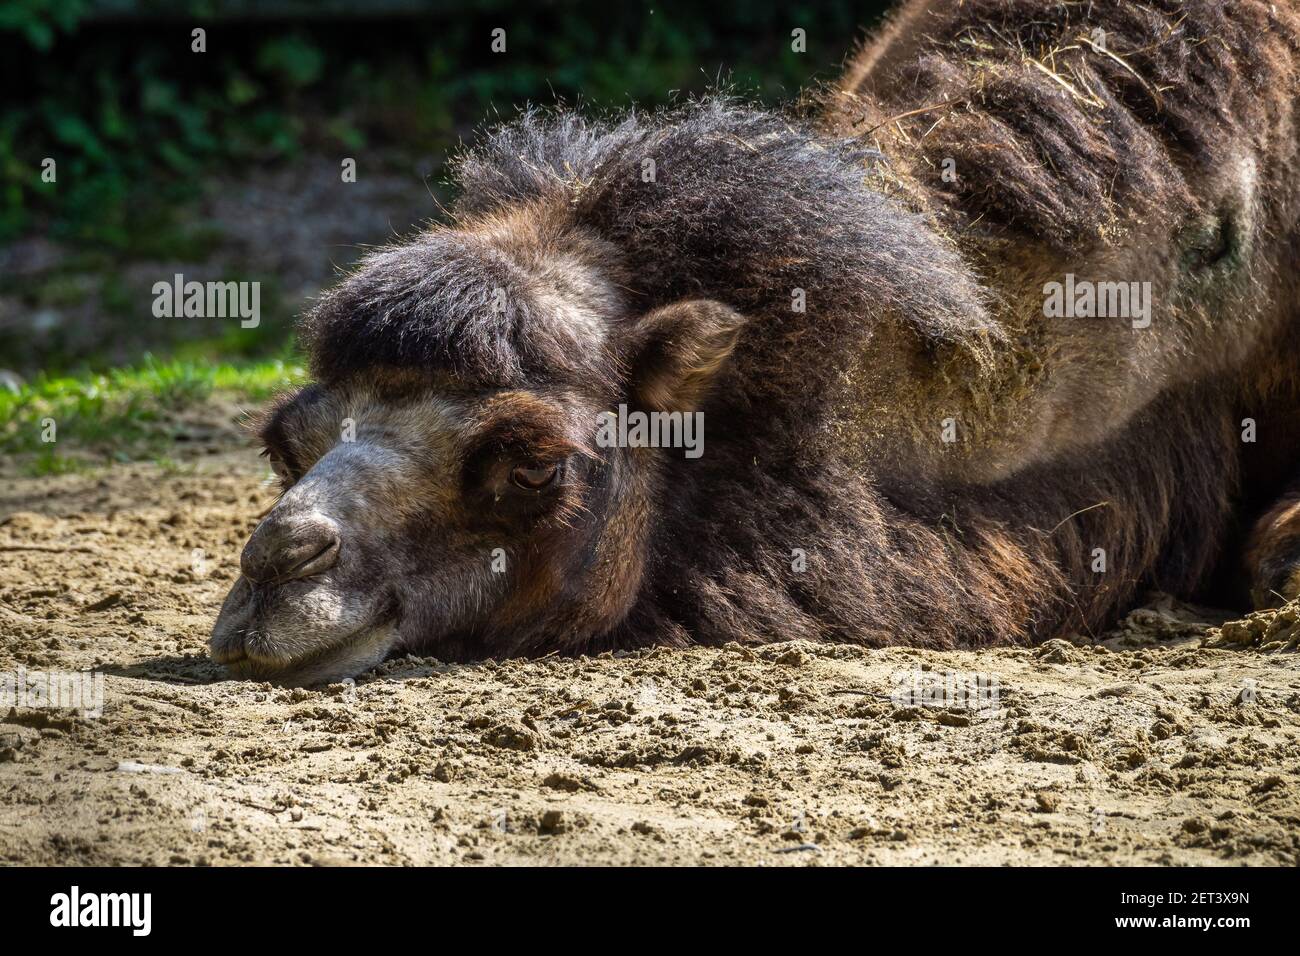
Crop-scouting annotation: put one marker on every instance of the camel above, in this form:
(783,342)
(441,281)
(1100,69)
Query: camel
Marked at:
(986,339)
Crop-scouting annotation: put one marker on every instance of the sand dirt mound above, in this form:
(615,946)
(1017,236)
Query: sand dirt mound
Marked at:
(1145,748)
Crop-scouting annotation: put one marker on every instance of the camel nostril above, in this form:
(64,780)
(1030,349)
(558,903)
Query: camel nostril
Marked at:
(287,548)
(320,561)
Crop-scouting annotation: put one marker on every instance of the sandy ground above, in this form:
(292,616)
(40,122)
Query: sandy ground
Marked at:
(1147,748)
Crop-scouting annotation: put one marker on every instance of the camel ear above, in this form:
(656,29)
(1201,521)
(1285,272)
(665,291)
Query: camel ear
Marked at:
(680,350)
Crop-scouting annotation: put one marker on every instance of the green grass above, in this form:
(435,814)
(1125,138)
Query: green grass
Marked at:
(50,462)
(125,413)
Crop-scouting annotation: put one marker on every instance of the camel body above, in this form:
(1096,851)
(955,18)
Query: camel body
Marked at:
(995,337)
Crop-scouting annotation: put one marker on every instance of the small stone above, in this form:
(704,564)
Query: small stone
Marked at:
(511,737)
(1268,783)
(793,658)
(552,822)
(106,602)
(563,781)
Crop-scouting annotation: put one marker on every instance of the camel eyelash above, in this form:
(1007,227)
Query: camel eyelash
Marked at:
(281,472)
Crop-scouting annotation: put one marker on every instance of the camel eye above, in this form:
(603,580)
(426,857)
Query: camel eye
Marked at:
(532,476)
(278,466)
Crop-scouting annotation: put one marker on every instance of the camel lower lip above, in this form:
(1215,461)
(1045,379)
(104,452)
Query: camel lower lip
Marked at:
(275,669)
(228,656)
(309,657)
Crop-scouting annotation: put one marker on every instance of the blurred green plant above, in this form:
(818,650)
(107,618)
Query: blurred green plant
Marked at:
(39,20)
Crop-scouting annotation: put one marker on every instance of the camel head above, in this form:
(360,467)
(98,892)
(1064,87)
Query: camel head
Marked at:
(444,483)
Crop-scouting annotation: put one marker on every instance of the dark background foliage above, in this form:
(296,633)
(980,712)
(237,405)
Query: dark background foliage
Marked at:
(113,89)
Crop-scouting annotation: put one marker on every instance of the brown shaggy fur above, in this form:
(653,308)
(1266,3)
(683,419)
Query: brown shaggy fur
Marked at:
(1138,142)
